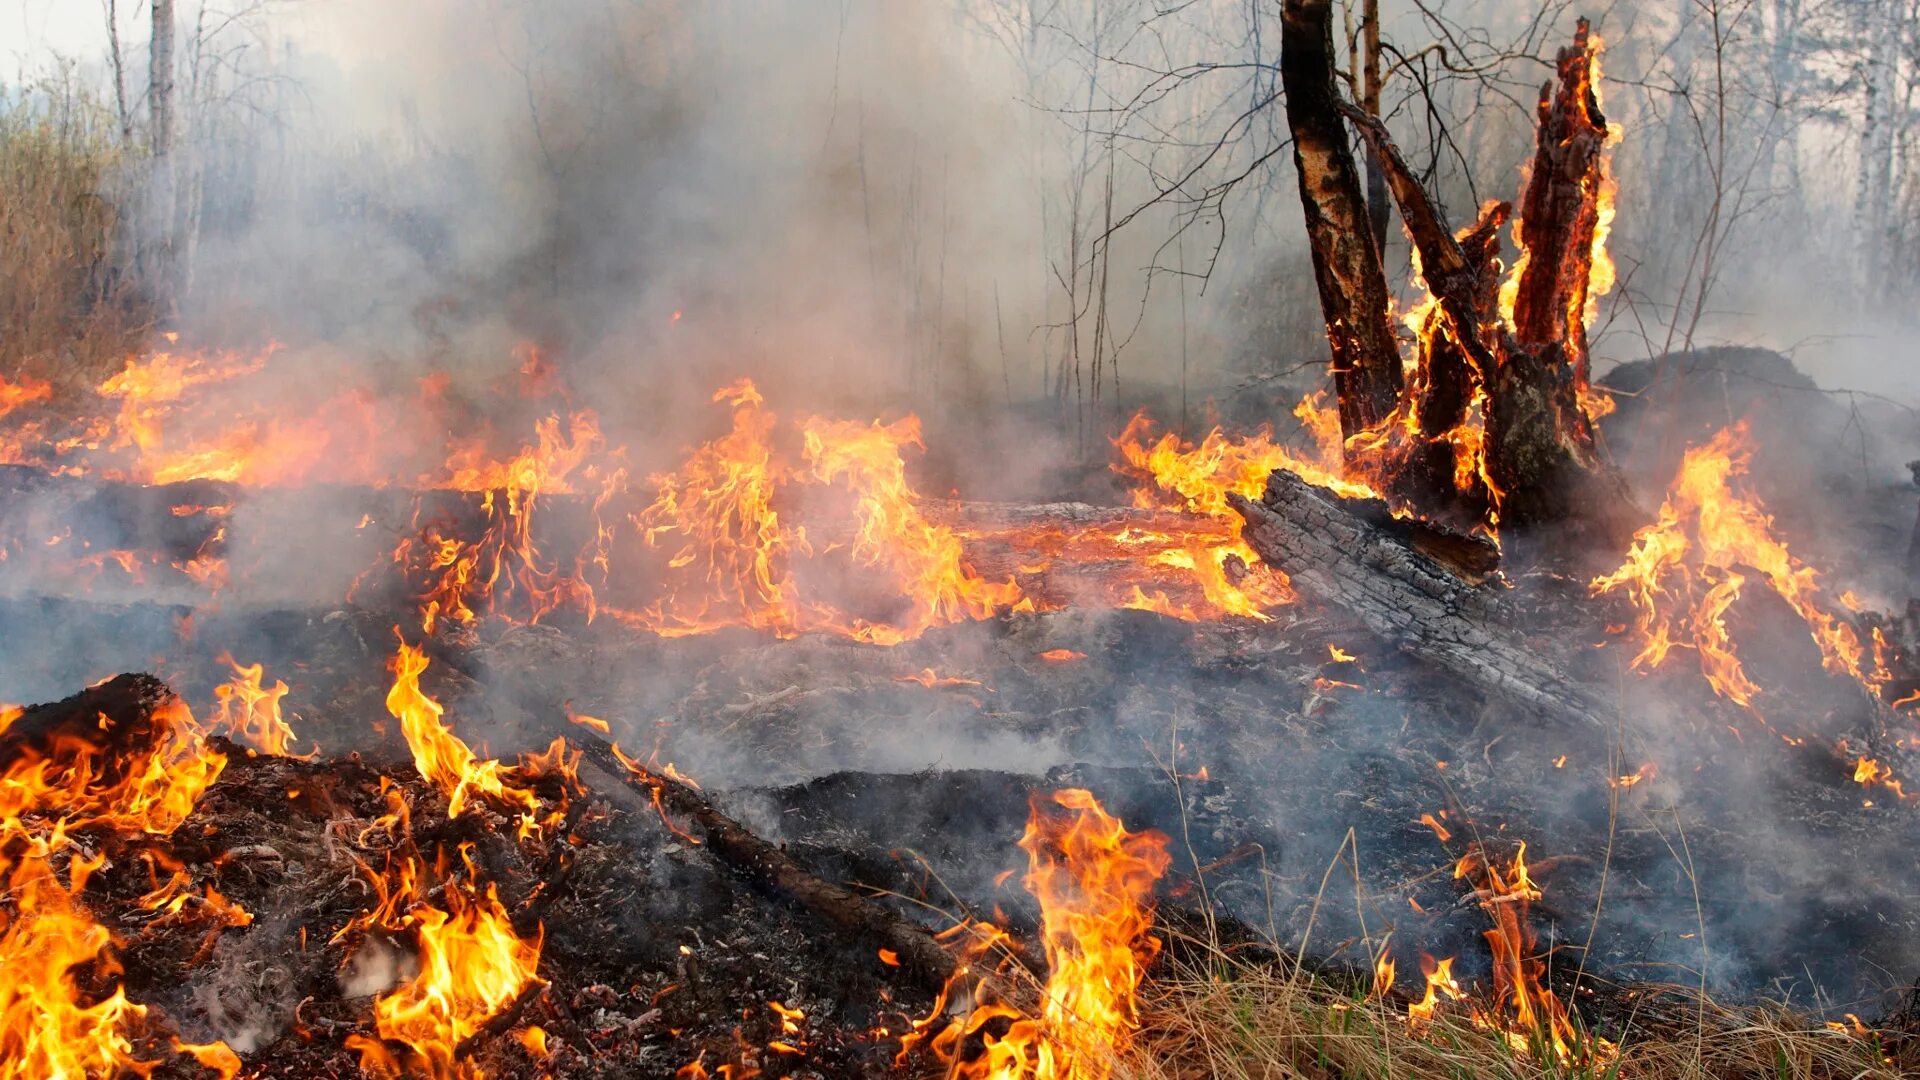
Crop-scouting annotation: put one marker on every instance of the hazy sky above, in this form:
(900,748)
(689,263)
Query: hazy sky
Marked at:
(33,32)
(30,29)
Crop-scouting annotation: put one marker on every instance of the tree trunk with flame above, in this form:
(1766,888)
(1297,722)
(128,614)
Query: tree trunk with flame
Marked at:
(1495,424)
(1546,452)
(1346,265)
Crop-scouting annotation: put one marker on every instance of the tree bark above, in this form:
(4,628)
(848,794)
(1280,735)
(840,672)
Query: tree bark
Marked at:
(160,113)
(1378,213)
(1411,598)
(160,78)
(1346,263)
(1543,451)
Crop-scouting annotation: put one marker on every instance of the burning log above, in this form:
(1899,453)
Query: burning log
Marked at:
(770,868)
(1396,578)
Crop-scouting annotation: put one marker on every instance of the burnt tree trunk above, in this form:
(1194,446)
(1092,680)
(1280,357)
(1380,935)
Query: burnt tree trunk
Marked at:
(1457,342)
(1346,264)
(1449,377)
(1378,212)
(1543,449)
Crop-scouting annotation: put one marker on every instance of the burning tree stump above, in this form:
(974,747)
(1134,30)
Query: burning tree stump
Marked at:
(1544,449)
(1535,457)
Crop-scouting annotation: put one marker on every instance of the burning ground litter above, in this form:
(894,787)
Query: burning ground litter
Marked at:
(376,850)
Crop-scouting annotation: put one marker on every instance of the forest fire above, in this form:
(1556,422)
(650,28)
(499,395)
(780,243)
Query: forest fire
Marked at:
(573,664)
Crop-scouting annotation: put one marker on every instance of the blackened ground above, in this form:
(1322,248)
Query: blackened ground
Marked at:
(1743,856)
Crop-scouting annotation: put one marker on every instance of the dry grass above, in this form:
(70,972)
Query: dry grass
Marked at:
(1242,1023)
(69,306)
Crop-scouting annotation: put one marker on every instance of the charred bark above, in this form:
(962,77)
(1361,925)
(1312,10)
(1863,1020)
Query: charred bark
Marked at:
(1457,343)
(770,868)
(1410,597)
(1543,450)
(1346,264)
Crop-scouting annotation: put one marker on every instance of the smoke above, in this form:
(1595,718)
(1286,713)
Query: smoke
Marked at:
(670,195)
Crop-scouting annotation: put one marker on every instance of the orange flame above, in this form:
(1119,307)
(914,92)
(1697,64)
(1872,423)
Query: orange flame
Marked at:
(44,1028)
(472,965)
(927,559)
(440,755)
(719,508)
(251,710)
(1680,574)
(47,1025)
(1094,881)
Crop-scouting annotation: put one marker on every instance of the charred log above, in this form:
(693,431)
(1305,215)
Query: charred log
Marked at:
(1346,264)
(1409,597)
(771,869)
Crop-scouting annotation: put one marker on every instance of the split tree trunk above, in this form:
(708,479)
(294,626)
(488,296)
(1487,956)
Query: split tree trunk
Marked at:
(1543,450)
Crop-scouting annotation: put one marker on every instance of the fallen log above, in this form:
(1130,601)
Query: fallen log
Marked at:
(770,868)
(1379,574)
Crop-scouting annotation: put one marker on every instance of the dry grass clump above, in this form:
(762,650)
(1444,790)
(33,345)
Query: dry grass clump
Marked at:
(1242,1022)
(69,306)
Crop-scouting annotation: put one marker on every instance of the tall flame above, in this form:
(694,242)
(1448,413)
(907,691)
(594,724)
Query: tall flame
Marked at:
(50,1026)
(251,710)
(440,755)
(730,565)
(927,559)
(1095,882)
(472,965)
(45,1031)
(1684,571)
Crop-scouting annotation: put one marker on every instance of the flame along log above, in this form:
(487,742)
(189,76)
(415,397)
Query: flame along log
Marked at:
(1061,553)
(1405,584)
